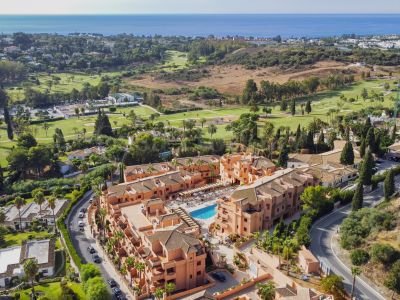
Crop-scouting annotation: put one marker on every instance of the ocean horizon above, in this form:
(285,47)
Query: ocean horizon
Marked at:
(202,25)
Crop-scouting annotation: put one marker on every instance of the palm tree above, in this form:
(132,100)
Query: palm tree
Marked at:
(212,129)
(256,236)
(170,287)
(287,252)
(19,202)
(46,127)
(266,291)
(102,215)
(83,167)
(31,269)
(202,121)
(119,235)
(355,271)
(139,266)
(159,293)
(38,197)
(52,204)
(130,263)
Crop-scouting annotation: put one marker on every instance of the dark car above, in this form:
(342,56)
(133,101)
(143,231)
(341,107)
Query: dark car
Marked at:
(91,250)
(111,283)
(116,291)
(83,209)
(120,297)
(219,276)
(96,258)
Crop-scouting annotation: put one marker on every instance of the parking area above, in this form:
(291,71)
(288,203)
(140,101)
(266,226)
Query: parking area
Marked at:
(219,286)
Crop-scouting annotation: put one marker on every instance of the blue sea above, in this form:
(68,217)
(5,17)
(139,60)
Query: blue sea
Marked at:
(258,25)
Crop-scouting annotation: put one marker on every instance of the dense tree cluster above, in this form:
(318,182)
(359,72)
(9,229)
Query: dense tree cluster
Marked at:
(359,224)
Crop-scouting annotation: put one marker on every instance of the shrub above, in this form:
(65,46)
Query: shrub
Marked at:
(96,289)
(89,271)
(359,257)
(383,253)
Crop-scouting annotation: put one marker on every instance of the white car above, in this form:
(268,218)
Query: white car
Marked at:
(81,224)
(81,215)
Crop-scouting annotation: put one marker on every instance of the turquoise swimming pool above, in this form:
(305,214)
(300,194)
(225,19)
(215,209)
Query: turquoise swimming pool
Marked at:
(205,212)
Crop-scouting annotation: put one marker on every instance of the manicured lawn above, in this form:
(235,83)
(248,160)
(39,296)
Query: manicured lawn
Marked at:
(13,239)
(321,104)
(174,60)
(53,290)
(68,82)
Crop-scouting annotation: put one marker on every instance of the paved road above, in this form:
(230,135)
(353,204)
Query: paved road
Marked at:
(321,236)
(82,240)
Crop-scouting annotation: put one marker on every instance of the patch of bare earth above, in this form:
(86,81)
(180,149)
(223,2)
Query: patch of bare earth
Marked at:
(231,79)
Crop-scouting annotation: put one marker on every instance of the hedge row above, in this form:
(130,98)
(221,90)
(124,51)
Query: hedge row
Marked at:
(168,111)
(75,196)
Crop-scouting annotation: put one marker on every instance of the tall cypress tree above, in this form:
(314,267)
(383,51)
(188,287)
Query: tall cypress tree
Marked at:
(293,107)
(362,148)
(1,179)
(370,139)
(121,173)
(308,106)
(366,169)
(358,197)
(102,124)
(310,141)
(283,156)
(393,137)
(298,134)
(367,126)
(347,156)
(7,119)
(388,186)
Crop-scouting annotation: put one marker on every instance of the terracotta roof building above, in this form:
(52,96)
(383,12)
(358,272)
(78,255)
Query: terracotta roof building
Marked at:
(258,206)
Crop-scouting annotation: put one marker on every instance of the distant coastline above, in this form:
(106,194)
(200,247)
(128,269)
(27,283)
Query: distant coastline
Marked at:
(219,25)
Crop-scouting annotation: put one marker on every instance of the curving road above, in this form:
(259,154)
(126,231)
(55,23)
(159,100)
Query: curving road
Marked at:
(322,233)
(82,240)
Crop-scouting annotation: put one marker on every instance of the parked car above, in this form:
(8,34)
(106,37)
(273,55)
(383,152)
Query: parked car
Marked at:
(120,297)
(81,229)
(91,250)
(96,258)
(83,209)
(219,276)
(111,283)
(81,215)
(116,291)
(81,224)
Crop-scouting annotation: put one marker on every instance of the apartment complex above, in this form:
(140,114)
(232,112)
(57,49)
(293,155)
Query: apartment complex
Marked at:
(244,168)
(326,166)
(206,165)
(259,205)
(165,240)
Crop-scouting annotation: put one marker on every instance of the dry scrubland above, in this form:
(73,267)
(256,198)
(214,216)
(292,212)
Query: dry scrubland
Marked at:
(231,79)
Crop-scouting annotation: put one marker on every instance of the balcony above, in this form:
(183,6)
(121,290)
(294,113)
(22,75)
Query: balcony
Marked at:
(157,274)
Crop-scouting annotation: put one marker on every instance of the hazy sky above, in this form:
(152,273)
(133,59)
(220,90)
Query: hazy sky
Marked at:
(196,6)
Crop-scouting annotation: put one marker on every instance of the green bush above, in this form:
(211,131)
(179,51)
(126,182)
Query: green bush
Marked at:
(359,257)
(358,225)
(384,253)
(89,271)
